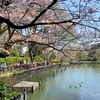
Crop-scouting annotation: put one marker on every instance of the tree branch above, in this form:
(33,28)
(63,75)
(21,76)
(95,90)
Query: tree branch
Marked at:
(12,25)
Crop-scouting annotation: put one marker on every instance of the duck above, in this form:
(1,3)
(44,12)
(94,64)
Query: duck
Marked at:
(75,86)
(81,82)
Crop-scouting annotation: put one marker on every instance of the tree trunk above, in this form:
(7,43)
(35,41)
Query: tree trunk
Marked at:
(31,46)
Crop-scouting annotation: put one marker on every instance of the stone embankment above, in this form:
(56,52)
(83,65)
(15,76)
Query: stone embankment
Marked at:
(83,62)
(15,78)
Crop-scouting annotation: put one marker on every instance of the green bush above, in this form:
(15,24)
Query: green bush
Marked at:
(9,60)
(22,59)
(6,91)
(17,59)
(12,60)
(2,60)
(38,59)
(15,53)
(27,59)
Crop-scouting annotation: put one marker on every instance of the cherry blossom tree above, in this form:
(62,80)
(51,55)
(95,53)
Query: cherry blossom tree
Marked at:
(53,22)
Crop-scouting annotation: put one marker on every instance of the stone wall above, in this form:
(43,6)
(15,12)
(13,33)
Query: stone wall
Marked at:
(28,73)
(83,62)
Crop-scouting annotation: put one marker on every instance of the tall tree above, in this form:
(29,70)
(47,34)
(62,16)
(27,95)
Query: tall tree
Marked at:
(59,16)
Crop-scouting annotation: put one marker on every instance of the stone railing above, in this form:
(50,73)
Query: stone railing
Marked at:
(11,68)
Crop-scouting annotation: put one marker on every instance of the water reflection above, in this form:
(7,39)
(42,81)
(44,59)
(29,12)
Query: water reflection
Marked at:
(79,82)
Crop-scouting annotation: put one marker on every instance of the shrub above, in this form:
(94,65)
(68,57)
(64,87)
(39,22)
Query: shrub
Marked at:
(38,59)
(15,53)
(2,60)
(17,59)
(27,59)
(9,60)
(6,91)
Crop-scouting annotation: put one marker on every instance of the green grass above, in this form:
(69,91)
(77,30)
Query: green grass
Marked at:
(17,71)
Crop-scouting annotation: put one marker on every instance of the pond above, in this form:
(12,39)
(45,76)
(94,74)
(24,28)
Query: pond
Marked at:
(78,82)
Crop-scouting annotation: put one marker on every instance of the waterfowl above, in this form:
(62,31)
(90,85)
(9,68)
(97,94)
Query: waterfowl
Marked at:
(75,86)
(81,82)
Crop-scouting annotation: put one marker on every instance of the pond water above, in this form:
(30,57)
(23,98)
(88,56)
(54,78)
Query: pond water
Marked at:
(79,82)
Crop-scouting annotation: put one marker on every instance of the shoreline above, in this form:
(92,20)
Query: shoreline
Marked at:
(83,62)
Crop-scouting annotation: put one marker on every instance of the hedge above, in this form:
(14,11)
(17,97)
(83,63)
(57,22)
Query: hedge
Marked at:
(38,59)
(2,60)
(12,60)
(9,60)
(15,53)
